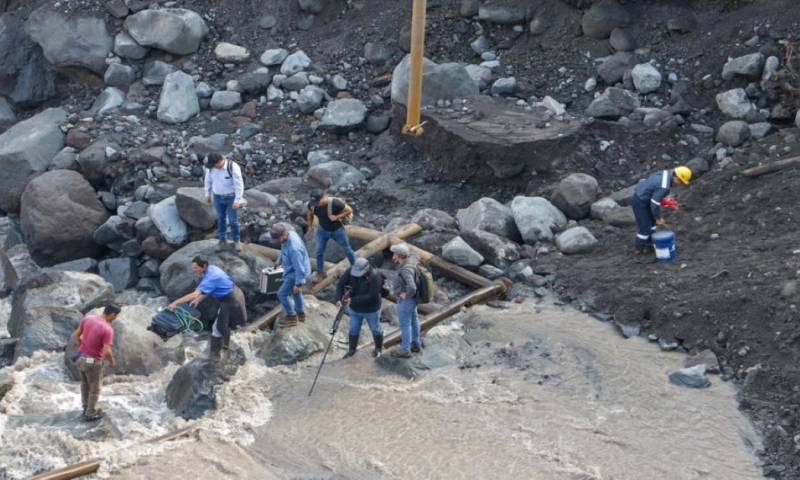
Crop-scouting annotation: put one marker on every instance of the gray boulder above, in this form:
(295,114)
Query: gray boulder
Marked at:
(576,240)
(495,249)
(59,215)
(126,47)
(109,100)
(230,53)
(175,30)
(47,308)
(503,14)
(440,82)
(178,102)
(273,57)
(205,145)
(603,17)
(115,230)
(255,83)
(482,76)
(760,130)
(734,103)
(119,75)
(504,86)
(26,149)
(692,377)
(376,53)
(166,218)
(602,206)
(26,77)
(469,8)
(7,115)
(93,161)
(225,100)
(750,66)
(536,218)
(623,40)
(292,345)
(459,252)
(156,72)
(433,220)
(489,215)
(646,78)
(575,194)
(121,272)
(177,277)
(310,99)
(335,174)
(193,208)
(733,133)
(378,123)
(81,265)
(79,41)
(314,7)
(613,103)
(614,67)
(344,115)
(294,63)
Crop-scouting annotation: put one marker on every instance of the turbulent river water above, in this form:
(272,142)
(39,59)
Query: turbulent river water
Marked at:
(521,392)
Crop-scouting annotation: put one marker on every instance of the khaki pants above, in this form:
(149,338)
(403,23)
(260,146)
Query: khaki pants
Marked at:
(91,380)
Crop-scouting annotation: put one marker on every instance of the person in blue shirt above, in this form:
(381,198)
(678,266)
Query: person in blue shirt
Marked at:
(646,202)
(296,270)
(214,283)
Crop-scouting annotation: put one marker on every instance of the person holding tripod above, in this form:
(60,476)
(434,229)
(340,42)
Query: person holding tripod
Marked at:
(363,303)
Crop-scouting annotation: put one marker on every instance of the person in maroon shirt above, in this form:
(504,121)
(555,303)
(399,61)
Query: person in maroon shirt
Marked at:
(94,337)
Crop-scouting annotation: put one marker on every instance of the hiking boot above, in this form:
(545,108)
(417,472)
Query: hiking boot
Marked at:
(237,246)
(400,354)
(289,321)
(301,316)
(353,342)
(415,348)
(98,414)
(378,340)
(220,246)
(319,276)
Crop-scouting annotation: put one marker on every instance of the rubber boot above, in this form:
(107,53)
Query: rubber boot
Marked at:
(226,347)
(378,339)
(215,348)
(353,339)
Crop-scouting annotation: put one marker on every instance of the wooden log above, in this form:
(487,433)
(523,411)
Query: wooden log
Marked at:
(496,290)
(771,167)
(69,472)
(376,245)
(439,264)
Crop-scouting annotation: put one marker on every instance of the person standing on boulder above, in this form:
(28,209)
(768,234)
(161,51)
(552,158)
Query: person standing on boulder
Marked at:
(225,186)
(94,337)
(405,288)
(364,303)
(296,270)
(646,202)
(217,284)
(330,212)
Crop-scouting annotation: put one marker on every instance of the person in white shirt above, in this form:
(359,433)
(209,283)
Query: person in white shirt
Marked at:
(225,186)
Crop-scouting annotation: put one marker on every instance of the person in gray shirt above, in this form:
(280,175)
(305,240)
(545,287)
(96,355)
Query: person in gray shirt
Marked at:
(405,288)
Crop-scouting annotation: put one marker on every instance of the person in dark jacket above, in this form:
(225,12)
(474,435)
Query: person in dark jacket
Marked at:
(329,212)
(363,302)
(646,202)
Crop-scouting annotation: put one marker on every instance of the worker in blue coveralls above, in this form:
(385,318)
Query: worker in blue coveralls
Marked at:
(646,202)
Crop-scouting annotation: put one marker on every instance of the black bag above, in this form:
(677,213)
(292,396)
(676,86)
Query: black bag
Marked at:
(167,323)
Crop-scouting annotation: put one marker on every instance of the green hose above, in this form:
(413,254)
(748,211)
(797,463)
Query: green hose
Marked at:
(188,321)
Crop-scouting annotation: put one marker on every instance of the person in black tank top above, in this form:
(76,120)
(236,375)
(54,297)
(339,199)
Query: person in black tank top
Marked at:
(329,212)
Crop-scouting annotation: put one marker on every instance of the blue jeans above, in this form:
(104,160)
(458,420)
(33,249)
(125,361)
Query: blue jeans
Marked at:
(292,302)
(409,323)
(226,214)
(339,236)
(645,222)
(373,320)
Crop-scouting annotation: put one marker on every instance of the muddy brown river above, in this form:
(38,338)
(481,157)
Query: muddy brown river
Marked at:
(520,392)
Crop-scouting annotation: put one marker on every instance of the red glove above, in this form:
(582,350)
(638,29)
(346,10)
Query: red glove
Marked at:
(669,203)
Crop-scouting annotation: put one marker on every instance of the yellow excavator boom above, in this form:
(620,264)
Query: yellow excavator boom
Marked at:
(413,124)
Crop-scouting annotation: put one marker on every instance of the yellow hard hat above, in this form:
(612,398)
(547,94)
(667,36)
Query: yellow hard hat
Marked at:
(684,174)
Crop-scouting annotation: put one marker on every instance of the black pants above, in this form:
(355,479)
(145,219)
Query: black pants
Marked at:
(222,326)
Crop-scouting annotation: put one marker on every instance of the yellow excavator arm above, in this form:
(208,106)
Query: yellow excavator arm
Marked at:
(413,124)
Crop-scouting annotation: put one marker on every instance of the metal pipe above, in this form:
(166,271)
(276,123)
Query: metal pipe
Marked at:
(414,104)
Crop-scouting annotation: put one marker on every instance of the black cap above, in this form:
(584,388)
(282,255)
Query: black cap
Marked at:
(317,194)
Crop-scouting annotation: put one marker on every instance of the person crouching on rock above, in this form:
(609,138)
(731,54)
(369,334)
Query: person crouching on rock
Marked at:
(364,303)
(296,270)
(94,337)
(218,285)
(224,184)
(646,202)
(406,291)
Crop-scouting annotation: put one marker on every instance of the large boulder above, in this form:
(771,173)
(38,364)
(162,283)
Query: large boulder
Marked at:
(344,115)
(292,345)
(502,14)
(26,149)
(60,213)
(77,41)
(120,272)
(459,252)
(93,161)
(295,63)
(225,100)
(175,30)
(613,103)
(155,72)
(536,218)
(749,66)
(733,133)
(646,78)
(433,220)
(231,53)
(576,240)
(193,208)
(575,194)
(614,67)
(109,100)
(177,277)
(47,308)
(489,215)
(440,82)
(734,103)
(310,99)
(497,250)
(192,390)
(603,17)
(26,77)
(126,47)
(178,101)
(335,174)
(166,218)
